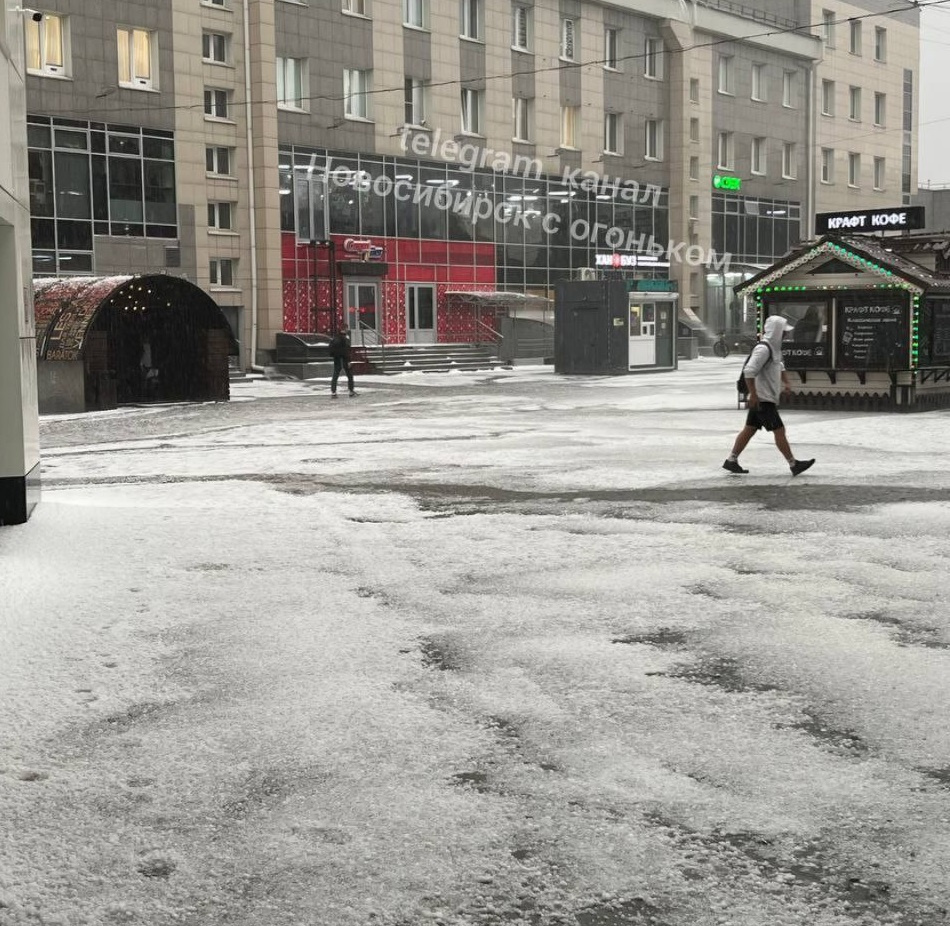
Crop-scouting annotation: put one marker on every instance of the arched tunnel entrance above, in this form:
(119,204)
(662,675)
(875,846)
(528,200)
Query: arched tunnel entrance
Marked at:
(139,339)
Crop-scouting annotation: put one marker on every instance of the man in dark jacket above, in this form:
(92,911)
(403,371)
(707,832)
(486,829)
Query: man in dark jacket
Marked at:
(340,352)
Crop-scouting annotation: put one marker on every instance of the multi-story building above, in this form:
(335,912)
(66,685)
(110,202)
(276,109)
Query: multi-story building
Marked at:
(446,150)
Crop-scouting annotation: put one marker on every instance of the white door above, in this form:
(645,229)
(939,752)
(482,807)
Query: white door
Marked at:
(362,313)
(420,314)
(642,334)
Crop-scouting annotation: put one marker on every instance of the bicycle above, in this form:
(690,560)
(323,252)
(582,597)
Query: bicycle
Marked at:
(720,347)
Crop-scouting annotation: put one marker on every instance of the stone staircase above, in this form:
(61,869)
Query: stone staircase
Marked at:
(428,358)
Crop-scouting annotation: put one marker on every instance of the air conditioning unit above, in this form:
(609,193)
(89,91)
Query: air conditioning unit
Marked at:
(587,273)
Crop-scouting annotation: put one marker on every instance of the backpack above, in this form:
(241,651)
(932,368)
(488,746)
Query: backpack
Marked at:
(741,386)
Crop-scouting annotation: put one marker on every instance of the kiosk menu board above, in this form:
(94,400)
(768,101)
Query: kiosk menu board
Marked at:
(872,331)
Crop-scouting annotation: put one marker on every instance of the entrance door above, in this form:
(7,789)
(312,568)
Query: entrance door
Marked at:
(362,312)
(642,334)
(420,314)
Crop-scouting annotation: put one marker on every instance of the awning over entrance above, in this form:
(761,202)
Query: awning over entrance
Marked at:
(144,338)
(499,299)
(686,316)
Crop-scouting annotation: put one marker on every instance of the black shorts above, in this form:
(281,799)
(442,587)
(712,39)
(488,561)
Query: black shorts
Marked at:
(765,416)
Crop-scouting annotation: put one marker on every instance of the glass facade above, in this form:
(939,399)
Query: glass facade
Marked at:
(754,231)
(542,227)
(89,179)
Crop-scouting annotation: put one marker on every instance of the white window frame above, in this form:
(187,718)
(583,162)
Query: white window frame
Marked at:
(221,272)
(759,156)
(221,216)
(521,113)
(216,160)
(219,3)
(215,52)
(134,41)
(51,30)
(357,86)
(880,109)
(726,82)
(471,20)
(613,126)
(856,37)
(854,170)
(354,7)
(297,69)
(760,83)
(854,104)
(570,125)
(880,43)
(415,102)
(827,168)
(725,150)
(790,89)
(828,28)
(415,14)
(880,173)
(612,49)
(217,95)
(789,160)
(828,97)
(653,58)
(568,47)
(653,140)
(521,37)
(473,111)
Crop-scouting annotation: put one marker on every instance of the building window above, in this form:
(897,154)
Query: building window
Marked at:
(136,51)
(758,83)
(854,104)
(219,161)
(694,89)
(694,130)
(789,160)
(357,7)
(415,13)
(827,165)
(880,166)
(215,47)
(693,207)
(790,89)
(653,59)
(725,150)
(291,83)
(217,104)
(880,43)
(854,169)
(521,27)
(46,45)
(827,97)
(758,155)
(221,271)
(653,141)
(521,115)
(569,125)
(472,105)
(568,33)
(356,89)
(220,216)
(613,133)
(694,168)
(828,28)
(726,79)
(612,49)
(471,19)
(880,109)
(907,141)
(415,102)
(855,36)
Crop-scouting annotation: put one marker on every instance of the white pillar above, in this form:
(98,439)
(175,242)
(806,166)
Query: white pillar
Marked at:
(19,418)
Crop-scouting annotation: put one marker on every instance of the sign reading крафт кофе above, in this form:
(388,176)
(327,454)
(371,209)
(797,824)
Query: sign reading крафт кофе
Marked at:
(870,221)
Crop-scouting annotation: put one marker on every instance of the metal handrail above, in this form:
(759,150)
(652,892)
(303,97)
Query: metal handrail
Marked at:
(380,340)
(496,335)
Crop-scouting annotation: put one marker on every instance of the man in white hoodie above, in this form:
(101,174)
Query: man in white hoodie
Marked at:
(766,378)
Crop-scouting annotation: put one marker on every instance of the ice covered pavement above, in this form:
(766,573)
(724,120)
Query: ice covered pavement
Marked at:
(470,649)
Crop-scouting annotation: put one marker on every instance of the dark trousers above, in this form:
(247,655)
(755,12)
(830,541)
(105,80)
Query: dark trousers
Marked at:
(339,363)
